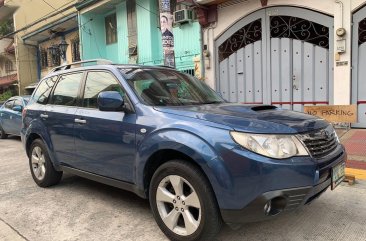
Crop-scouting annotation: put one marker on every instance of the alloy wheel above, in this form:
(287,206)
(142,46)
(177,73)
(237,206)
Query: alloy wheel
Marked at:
(38,163)
(178,205)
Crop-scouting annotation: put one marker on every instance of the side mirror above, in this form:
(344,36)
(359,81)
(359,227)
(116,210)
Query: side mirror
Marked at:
(18,108)
(110,101)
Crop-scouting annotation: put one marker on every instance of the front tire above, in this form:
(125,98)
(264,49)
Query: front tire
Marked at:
(3,135)
(41,167)
(183,203)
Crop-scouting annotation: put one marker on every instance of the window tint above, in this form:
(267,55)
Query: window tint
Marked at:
(9,104)
(97,82)
(66,90)
(44,90)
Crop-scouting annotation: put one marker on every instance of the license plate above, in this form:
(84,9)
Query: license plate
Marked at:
(337,174)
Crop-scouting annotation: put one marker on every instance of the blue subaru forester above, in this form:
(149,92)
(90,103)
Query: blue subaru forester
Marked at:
(166,136)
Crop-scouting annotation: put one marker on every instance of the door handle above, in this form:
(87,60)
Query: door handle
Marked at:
(79,121)
(43,116)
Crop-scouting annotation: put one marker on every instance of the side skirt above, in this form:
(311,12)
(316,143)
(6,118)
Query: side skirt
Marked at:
(106,180)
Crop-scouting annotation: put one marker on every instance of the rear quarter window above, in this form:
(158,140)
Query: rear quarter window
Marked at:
(43,91)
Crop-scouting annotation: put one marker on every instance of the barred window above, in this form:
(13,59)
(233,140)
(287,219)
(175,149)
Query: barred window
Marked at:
(75,50)
(8,66)
(44,58)
(55,58)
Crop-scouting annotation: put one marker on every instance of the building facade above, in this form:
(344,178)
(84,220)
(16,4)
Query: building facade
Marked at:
(39,29)
(129,32)
(8,73)
(289,53)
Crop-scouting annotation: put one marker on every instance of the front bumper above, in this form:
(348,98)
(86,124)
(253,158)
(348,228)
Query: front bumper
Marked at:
(283,200)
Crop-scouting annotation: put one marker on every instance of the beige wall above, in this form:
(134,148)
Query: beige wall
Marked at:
(68,38)
(227,16)
(4,57)
(28,12)
(26,64)
(32,10)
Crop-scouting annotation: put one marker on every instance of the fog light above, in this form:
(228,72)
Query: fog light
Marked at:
(275,206)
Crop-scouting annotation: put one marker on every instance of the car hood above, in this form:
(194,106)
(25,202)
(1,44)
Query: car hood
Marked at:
(255,119)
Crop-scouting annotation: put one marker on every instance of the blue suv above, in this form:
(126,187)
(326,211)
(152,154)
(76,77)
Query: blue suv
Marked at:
(168,137)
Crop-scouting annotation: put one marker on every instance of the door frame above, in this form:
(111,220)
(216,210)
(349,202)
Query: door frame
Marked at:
(264,14)
(357,16)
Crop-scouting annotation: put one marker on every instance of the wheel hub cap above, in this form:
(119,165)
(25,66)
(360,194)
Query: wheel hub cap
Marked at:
(178,205)
(38,163)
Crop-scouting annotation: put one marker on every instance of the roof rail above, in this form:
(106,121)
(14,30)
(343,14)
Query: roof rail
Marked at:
(68,66)
(166,66)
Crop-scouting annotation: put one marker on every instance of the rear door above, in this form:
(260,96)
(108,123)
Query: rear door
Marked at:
(16,117)
(104,141)
(5,115)
(59,116)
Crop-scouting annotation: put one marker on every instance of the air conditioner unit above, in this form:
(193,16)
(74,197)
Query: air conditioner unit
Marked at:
(183,16)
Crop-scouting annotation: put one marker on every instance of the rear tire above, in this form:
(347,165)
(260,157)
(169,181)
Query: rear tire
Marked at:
(3,135)
(183,203)
(41,167)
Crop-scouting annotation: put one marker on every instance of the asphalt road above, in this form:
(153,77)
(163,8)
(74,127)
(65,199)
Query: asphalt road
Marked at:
(79,209)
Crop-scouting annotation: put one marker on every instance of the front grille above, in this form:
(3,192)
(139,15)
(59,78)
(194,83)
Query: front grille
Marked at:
(320,143)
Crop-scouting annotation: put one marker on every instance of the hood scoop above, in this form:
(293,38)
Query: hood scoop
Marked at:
(264,107)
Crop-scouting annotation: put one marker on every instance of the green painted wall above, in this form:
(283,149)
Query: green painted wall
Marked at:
(187,44)
(186,37)
(93,44)
(148,37)
(93,36)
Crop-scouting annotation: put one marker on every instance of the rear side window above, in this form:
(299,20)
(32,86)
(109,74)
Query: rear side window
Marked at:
(44,90)
(67,89)
(9,104)
(97,82)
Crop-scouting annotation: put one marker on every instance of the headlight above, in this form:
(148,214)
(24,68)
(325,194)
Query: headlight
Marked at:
(275,146)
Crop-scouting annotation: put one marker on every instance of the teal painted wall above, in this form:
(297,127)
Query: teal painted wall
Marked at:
(149,38)
(187,44)
(93,44)
(93,36)
(186,37)
(122,33)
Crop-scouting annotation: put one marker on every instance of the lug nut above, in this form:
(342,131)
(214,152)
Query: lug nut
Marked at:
(176,208)
(182,209)
(178,197)
(183,203)
(174,201)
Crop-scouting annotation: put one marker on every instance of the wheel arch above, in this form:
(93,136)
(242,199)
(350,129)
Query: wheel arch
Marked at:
(183,146)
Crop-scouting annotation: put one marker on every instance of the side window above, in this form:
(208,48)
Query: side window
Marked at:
(9,105)
(44,90)
(97,82)
(67,89)
(18,102)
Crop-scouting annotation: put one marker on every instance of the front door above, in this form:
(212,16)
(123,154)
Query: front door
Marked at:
(104,141)
(280,56)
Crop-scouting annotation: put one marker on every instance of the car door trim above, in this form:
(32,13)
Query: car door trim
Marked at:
(105,180)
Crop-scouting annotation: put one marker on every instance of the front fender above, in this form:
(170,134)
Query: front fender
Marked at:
(191,145)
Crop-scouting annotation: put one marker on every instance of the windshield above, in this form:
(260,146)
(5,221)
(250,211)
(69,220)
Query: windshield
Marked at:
(161,87)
